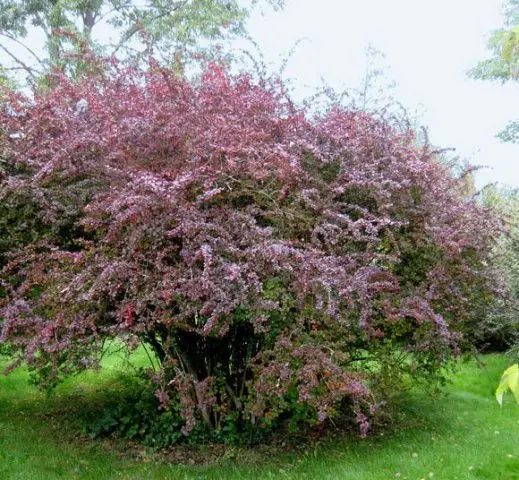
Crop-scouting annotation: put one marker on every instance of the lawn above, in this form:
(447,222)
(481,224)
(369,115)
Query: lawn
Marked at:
(460,435)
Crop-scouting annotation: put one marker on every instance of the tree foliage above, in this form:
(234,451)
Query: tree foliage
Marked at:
(504,62)
(500,330)
(280,266)
(72,27)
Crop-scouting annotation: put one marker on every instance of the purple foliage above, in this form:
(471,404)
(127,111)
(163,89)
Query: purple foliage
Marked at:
(268,258)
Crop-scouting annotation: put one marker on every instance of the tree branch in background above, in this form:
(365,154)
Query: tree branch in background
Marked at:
(24,66)
(14,39)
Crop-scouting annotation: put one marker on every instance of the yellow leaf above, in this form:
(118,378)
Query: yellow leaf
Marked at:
(509,381)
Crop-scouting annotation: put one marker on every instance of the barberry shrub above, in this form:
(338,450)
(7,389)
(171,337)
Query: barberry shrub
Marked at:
(282,266)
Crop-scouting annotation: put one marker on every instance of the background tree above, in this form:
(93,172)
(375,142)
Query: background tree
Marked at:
(503,66)
(126,27)
(500,329)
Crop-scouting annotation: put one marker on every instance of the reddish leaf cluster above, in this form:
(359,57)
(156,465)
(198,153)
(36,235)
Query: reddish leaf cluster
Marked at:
(274,262)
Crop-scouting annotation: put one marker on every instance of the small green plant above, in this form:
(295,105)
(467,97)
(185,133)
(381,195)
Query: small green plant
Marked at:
(509,381)
(134,414)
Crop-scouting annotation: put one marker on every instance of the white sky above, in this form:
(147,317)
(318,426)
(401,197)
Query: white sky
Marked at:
(429,46)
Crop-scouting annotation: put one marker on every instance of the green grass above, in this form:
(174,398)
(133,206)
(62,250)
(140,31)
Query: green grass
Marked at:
(461,435)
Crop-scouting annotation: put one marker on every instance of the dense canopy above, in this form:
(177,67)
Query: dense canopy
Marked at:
(279,265)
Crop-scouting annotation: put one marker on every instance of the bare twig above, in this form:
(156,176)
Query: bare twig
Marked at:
(25,67)
(14,39)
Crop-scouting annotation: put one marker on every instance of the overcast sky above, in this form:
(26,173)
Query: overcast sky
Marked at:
(429,46)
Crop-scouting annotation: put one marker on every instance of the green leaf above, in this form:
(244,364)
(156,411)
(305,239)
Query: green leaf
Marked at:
(509,381)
